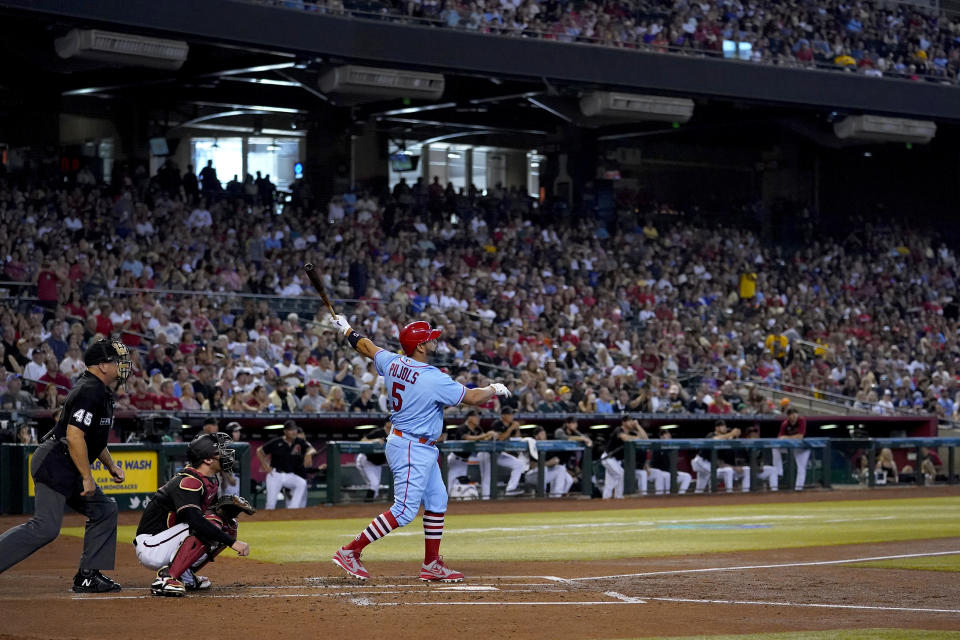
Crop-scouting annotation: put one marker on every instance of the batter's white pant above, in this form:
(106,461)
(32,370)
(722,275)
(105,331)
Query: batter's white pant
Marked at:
(370,471)
(801,456)
(661,481)
(156,551)
(279,480)
(516,466)
(727,474)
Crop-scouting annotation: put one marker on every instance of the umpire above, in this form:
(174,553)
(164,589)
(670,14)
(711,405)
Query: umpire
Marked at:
(62,473)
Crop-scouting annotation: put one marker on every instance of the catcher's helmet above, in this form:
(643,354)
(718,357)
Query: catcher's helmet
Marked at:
(211,445)
(109,351)
(415,334)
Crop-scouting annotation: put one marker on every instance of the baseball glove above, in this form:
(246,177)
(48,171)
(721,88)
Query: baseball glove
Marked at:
(229,507)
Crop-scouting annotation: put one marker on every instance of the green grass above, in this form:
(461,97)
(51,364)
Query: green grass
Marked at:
(936,563)
(602,535)
(836,634)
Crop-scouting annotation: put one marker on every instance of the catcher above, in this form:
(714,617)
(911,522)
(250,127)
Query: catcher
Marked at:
(183,528)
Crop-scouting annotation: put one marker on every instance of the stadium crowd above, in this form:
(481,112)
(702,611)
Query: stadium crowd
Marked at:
(645,314)
(873,38)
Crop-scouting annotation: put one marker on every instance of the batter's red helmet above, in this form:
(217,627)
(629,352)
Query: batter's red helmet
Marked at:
(415,334)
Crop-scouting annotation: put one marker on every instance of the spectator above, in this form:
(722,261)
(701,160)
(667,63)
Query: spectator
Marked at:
(312,402)
(166,400)
(53,377)
(188,400)
(282,399)
(365,401)
(36,368)
(886,467)
(15,398)
(335,401)
(215,400)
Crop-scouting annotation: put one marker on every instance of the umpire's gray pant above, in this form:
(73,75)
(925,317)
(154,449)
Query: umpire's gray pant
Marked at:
(99,539)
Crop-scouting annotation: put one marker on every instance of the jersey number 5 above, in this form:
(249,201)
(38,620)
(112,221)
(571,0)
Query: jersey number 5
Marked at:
(395,393)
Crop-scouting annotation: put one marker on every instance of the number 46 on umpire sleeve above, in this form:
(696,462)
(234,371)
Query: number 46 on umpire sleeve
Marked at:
(395,394)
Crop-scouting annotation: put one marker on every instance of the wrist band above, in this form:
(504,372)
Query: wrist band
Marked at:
(353,338)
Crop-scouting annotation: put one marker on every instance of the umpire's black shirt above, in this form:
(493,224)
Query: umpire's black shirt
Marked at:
(286,457)
(88,407)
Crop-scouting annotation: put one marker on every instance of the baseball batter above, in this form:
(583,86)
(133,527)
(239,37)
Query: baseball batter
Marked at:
(418,392)
(181,529)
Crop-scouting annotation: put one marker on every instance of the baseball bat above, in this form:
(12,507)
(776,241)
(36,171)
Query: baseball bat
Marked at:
(317,283)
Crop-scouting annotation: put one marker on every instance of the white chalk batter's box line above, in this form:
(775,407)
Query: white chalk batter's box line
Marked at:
(359,595)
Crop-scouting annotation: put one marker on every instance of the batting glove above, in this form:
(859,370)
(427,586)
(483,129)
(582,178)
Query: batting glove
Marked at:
(500,390)
(340,323)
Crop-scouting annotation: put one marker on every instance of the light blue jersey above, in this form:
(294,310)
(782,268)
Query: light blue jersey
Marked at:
(418,393)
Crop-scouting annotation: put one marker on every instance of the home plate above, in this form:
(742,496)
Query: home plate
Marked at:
(467,587)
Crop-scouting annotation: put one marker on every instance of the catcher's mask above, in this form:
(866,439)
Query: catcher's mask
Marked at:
(110,351)
(212,445)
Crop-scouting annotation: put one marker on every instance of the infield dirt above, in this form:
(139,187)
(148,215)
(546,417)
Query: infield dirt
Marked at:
(254,599)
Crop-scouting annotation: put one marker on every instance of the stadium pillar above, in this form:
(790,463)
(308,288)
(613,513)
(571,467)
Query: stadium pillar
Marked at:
(369,159)
(327,165)
(571,163)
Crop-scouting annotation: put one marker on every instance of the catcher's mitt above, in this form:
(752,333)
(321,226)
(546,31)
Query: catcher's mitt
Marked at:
(229,507)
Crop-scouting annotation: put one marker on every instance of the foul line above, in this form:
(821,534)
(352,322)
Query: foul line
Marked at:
(767,566)
(809,605)
(566,603)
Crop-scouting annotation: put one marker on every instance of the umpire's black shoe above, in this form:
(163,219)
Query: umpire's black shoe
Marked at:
(92,581)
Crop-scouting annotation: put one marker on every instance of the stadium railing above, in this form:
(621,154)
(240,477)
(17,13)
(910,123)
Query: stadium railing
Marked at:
(823,465)
(563,39)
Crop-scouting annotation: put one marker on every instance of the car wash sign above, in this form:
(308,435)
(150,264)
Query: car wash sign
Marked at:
(140,474)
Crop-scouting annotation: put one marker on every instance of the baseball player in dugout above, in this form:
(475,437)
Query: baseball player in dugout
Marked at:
(287,454)
(457,461)
(793,428)
(61,470)
(184,526)
(419,392)
(507,427)
(371,464)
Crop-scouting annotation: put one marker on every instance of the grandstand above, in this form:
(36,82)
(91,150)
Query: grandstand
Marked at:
(678,211)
